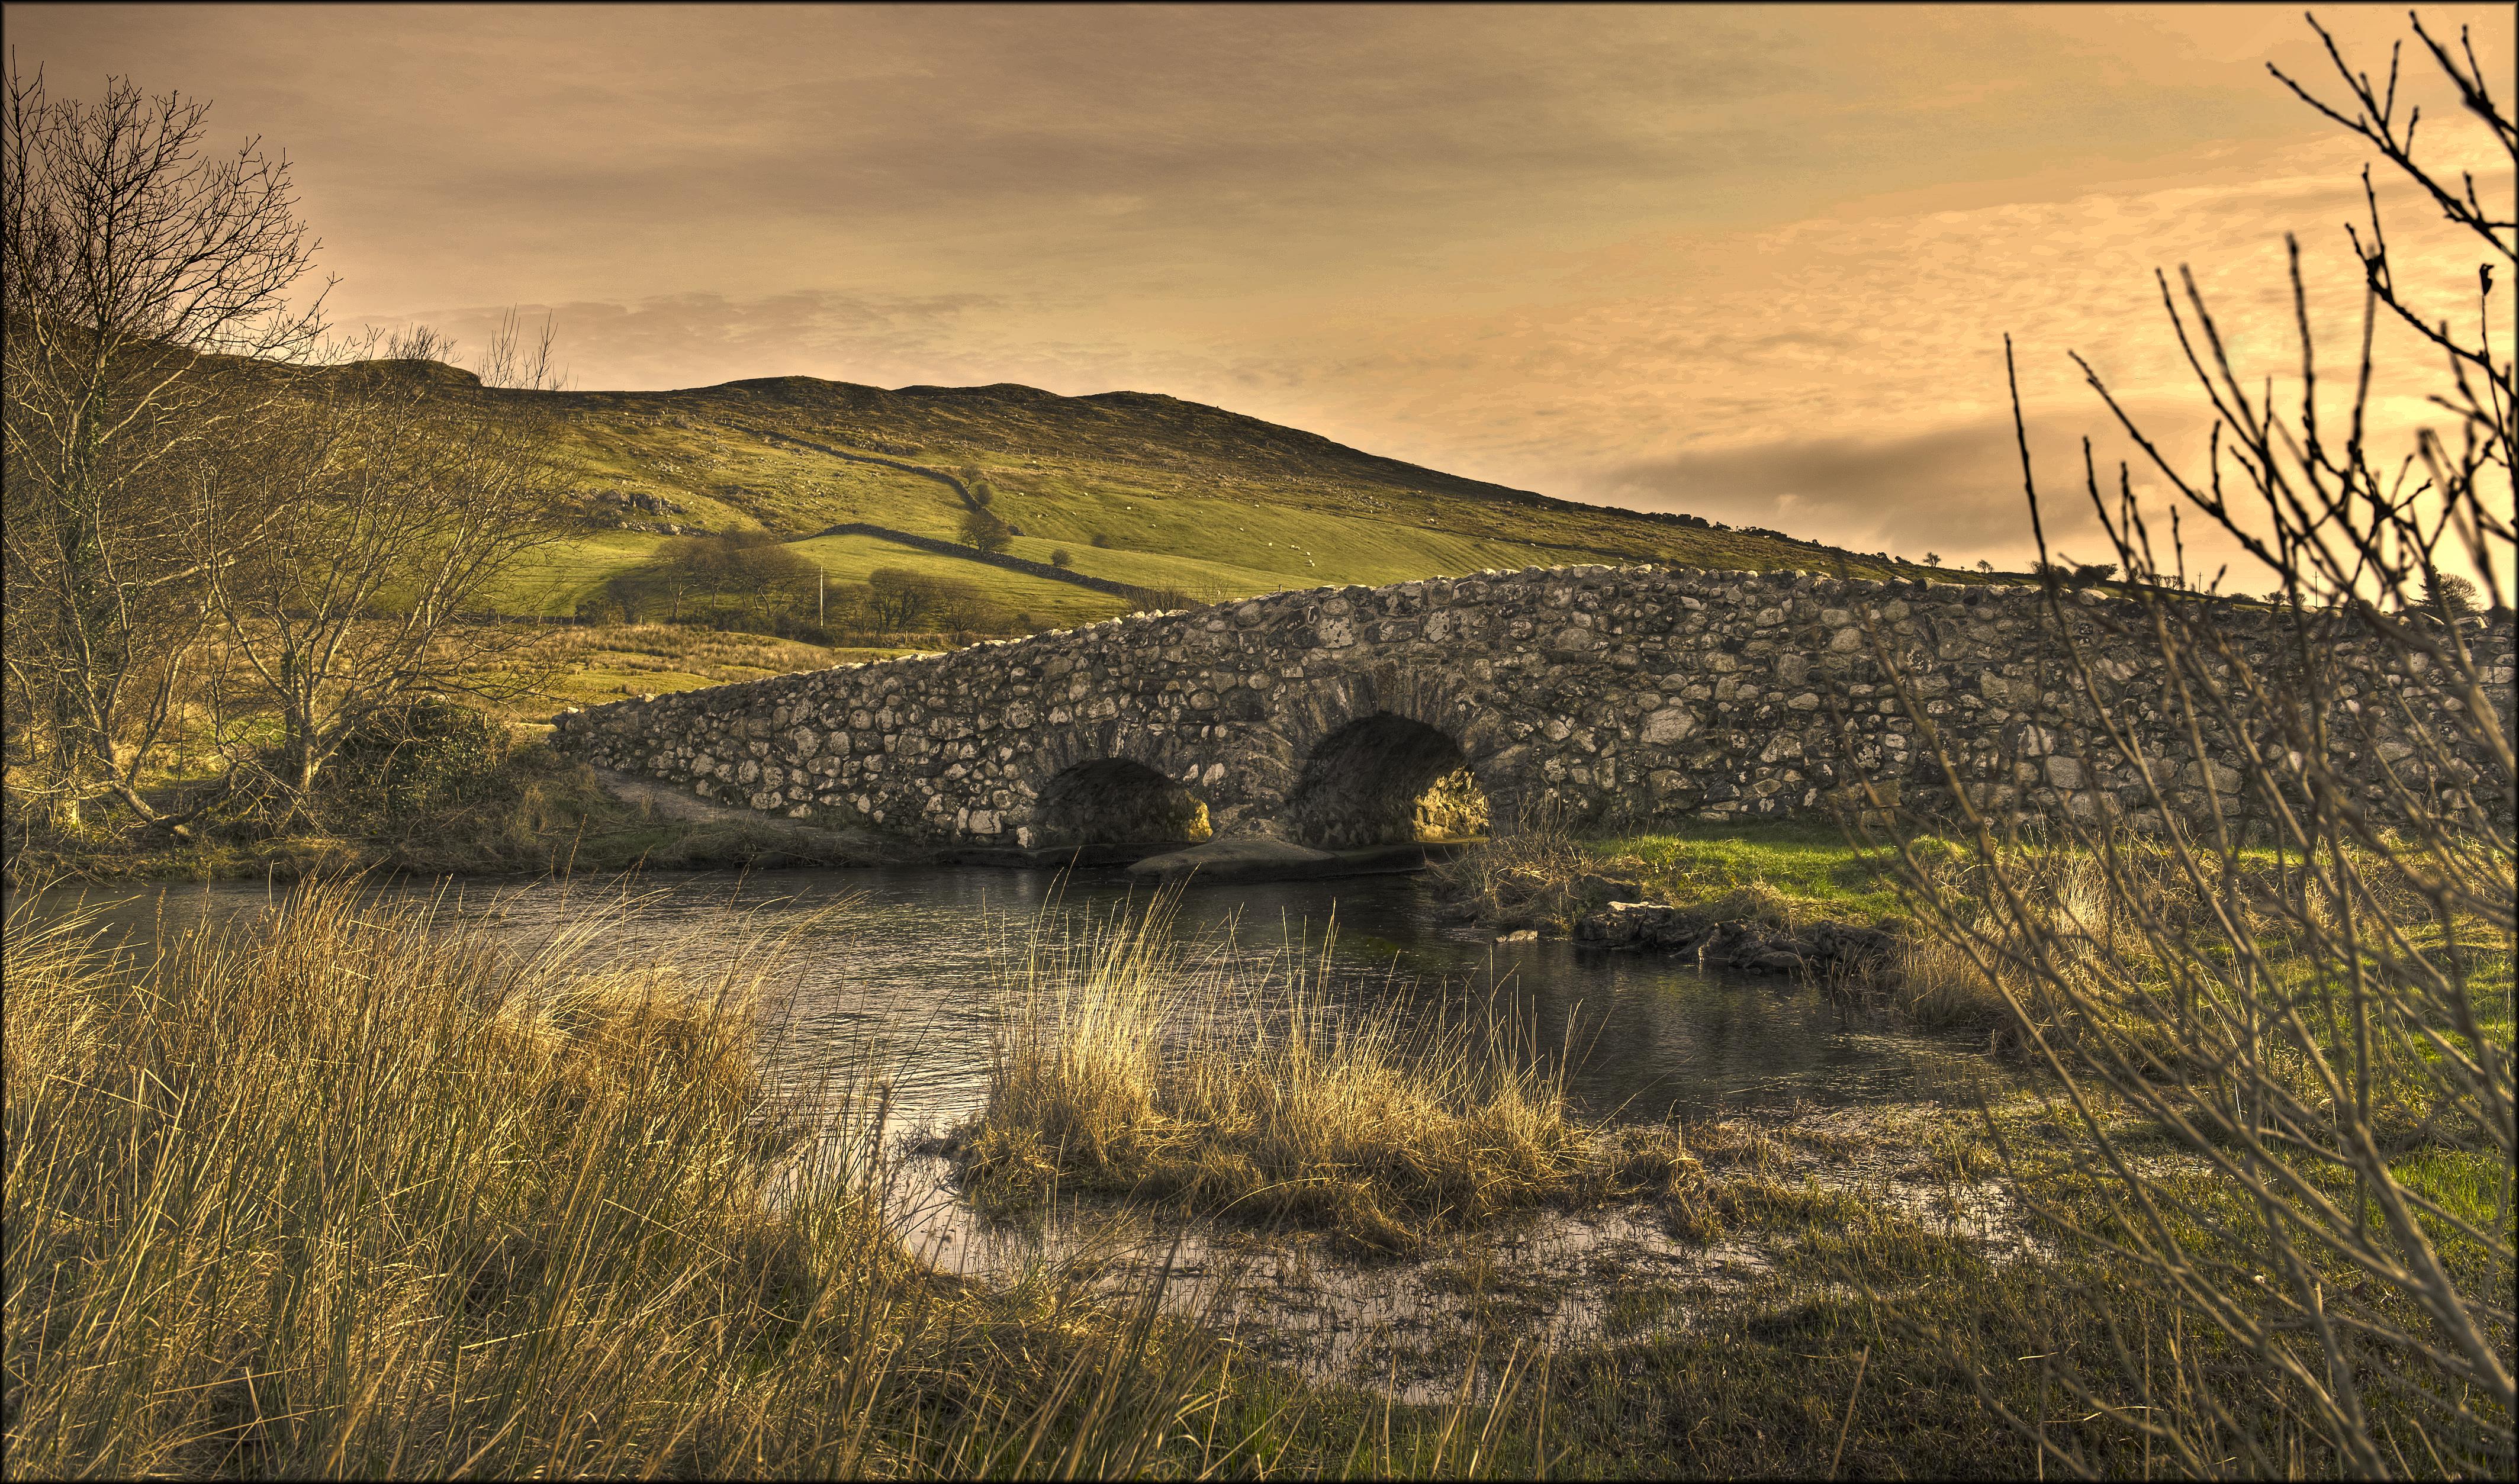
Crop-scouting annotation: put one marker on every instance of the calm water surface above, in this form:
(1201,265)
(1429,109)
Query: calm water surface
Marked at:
(912,959)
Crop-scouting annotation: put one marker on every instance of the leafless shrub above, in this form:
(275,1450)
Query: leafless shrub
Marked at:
(2285,948)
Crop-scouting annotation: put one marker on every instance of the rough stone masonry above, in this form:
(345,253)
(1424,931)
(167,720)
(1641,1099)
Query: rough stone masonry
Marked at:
(1599,696)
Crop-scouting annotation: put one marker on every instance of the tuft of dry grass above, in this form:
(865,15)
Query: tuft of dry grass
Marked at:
(1129,1061)
(350,1191)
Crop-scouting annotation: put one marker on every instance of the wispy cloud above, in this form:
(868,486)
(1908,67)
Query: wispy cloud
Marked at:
(1741,259)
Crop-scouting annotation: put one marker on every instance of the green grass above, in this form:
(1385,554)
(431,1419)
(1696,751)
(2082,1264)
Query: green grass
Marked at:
(592,664)
(1786,874)
(1812,867)
(1301,547)
(1201,578)
(557,578)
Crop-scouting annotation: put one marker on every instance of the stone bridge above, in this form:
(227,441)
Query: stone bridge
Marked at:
(1348,716)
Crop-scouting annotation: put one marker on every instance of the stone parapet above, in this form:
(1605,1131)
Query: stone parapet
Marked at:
(1600,696)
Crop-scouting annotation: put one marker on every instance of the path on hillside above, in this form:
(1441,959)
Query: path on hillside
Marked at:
(1110,587)
(943,477)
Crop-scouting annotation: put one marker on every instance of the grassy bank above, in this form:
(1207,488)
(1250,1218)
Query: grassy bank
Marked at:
(346,1192)
(1129,1063)
(1783,873)
(478,792)
(529,812)
(343,1194)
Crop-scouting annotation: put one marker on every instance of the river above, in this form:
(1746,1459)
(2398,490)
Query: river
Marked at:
(912,960)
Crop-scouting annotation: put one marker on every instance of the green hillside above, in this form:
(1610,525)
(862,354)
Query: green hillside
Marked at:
(1138,488)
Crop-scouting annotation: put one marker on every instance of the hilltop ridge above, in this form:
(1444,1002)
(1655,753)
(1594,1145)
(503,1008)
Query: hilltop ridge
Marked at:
(1130,487)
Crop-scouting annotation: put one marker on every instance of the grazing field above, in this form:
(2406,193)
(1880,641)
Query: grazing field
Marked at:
(1138,489)
(1299,547)
(554,579)
(1156,478)
(591,664)
(1206,580)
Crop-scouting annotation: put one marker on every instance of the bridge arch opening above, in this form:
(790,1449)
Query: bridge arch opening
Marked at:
(1113,801)
(1385,780)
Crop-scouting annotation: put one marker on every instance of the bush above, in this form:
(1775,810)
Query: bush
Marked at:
(985,532)
(417,759)
(1061,559)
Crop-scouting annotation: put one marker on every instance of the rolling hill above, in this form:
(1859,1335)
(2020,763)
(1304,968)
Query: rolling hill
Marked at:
(1136,488)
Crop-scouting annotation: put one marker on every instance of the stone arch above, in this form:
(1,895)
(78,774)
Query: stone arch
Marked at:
(1116,801)
(1384,779)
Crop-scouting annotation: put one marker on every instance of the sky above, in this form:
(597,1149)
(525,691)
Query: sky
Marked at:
(1752,263)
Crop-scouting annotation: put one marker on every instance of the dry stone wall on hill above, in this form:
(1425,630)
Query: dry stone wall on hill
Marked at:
(1604,697)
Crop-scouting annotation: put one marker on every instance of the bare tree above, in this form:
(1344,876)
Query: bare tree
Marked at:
(145,273)
(2282,941)
(354,552)
(514,362)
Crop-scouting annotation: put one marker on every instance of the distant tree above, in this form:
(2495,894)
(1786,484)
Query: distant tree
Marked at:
(1100,542)
(847,605)
(731,577)
(2449,594)
(1061,559)
(514,362)
(773,577)
(985,532)
(982,492)
(898,598)
(1984,565)
(1932,558)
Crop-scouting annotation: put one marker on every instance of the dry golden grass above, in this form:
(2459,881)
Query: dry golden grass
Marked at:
(1129,1061)
(348,1192)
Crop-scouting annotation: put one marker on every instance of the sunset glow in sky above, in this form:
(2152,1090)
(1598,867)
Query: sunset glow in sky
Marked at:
(1755,264)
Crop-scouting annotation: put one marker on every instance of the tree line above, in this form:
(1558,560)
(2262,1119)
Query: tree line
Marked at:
(752,580)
